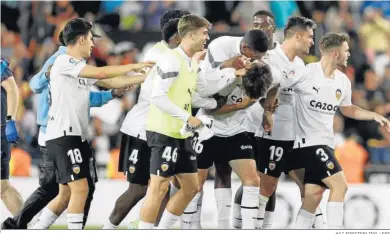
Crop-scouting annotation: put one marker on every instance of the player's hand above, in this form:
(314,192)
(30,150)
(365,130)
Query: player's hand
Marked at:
(382,121)
(139,67)
(240,72)
(246,102)
(194,122)
(11,132)
(268,121)
(200,55)
(236,62)
(119,92)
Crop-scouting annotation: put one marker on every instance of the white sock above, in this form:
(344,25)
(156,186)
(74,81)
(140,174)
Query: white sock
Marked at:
(319,222)
(304,220)
(46,219)
(109,225)
(197,217)
(249,206)
(173,190)
(143,225)
(223,197)
(268,219)
(167,220)
(189,213)
(75,221)
(261,211)
(335,214)
(237,218)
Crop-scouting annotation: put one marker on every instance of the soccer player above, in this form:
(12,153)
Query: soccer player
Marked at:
(170,109)
(265,21)
(320,92)
(70,78)
(48,187)
(236,149)
(9,134)
(135,153)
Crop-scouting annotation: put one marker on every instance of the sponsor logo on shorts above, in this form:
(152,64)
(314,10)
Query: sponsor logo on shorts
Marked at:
(244,147)
(132,169)
(330,165)
(272,165)
(164,166)
(193,158)
(76,169)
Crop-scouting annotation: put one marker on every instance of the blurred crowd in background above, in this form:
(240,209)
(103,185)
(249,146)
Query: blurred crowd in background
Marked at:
(29,35)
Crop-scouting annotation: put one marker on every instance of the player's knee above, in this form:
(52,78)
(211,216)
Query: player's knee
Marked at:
(251,181)
(190,190)
(314,195)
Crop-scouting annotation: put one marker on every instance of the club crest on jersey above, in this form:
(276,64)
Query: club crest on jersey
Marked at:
(272,165)
(76,169)
(339,94)
(164,166)
(72,60)
(330,165)
(132,169)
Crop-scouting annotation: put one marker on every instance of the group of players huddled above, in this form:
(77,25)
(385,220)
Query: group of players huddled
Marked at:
(262,112)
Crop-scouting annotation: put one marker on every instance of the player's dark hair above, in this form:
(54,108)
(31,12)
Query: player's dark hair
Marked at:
(169,29)
(172,14)
(332,40)
(61,38)
(264,12)
(257,80)
(256,40)
(76,28)
(297,23)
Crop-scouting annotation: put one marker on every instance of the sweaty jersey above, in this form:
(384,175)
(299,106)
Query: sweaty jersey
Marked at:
(134,123)
(284,117)
(69,99)
(317,100)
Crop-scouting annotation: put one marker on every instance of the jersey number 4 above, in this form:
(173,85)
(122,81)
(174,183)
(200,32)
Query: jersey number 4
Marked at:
(168,154)
(134,156)
(276,151)
(75,156)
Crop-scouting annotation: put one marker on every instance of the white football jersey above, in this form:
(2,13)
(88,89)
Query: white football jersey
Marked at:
(219,50)
(284,117)
(317,100)
(134,123)
(69,99)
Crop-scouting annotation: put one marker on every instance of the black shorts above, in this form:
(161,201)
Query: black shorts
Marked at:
(272,156)
(294,161)
(320,163)
(134,159)
(5,157)
(170,156)
(73,158)
(221,150)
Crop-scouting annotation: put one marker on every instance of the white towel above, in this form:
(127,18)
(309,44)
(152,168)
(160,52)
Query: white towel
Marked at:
(204,132)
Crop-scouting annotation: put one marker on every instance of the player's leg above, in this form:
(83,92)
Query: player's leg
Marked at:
(205,151)
(223,193)
(9,195)
(186,171)
(135,156)
(92,180)
(54,209)
(47,191)
(163,159)
(237,217)
(312,198)
(269,212)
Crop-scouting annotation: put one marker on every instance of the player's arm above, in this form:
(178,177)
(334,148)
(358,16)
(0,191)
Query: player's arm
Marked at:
(200,102)
(98,99)
(358,113)
(246,102)
(167,72)
(109,72)
(40,81)
(121,81)
(9,85)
